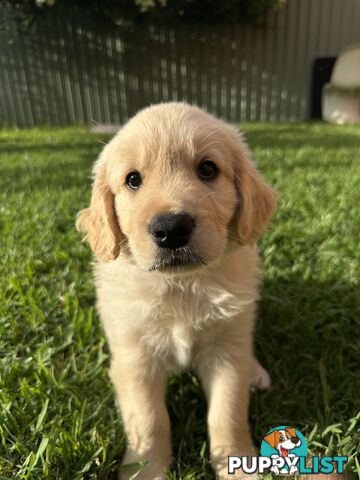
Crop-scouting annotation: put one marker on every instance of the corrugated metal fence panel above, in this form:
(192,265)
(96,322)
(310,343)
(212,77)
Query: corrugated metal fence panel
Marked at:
(71,71)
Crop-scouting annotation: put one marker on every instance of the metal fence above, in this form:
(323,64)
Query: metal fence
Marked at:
(70,71)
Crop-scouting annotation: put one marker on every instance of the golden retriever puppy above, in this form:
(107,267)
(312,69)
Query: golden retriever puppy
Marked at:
(177,206)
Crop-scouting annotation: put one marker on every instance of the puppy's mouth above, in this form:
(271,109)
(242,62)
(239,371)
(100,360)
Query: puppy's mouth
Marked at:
(184,258)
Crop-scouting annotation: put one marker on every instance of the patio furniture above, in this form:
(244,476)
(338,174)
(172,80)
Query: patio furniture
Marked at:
(341,97)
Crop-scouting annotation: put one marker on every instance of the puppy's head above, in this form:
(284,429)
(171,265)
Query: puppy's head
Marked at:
(175,187)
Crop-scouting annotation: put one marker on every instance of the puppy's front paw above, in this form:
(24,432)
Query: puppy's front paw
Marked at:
(238,475)
(220,462)
(260,379)
(143,466)
(138,472)
(140,475)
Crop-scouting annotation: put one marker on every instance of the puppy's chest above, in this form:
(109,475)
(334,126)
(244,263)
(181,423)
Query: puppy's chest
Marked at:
(174,329)
(174,343)
(182,323)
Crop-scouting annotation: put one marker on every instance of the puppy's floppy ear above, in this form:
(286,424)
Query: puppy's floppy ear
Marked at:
(291,432)
(257,199)
(272,439)
(99,221)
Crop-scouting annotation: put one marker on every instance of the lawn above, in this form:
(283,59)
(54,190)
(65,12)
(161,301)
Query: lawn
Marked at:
(58,417)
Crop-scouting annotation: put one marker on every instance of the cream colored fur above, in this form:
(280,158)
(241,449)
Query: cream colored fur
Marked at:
(203,317)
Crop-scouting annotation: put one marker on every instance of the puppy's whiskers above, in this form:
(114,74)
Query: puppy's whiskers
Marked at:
(176,259)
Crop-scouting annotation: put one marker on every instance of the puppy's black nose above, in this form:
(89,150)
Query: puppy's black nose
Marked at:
(171,230)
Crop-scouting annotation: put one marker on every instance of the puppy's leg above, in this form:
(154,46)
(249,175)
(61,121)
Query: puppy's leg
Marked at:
(260,377)
(141,397)
(226,374)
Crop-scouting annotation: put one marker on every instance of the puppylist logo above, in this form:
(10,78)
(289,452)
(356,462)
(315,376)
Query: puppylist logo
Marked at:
(284,451)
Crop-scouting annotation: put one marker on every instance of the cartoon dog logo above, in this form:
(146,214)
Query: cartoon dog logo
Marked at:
(283,440)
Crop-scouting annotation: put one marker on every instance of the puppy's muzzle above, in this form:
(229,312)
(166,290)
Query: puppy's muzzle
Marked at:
(171,230)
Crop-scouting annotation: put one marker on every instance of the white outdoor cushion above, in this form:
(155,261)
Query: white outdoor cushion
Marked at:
(346,72)
(340,105)
(341,97)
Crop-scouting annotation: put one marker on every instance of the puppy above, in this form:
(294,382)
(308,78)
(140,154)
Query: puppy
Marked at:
(177,206)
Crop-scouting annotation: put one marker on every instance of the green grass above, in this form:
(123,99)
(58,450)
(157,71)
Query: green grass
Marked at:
(57,410)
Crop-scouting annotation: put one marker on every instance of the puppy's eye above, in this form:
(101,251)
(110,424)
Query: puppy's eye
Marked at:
(281,438)
(133,180)
(207,170)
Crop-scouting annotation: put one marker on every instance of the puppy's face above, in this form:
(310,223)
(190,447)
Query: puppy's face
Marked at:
(174,188)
